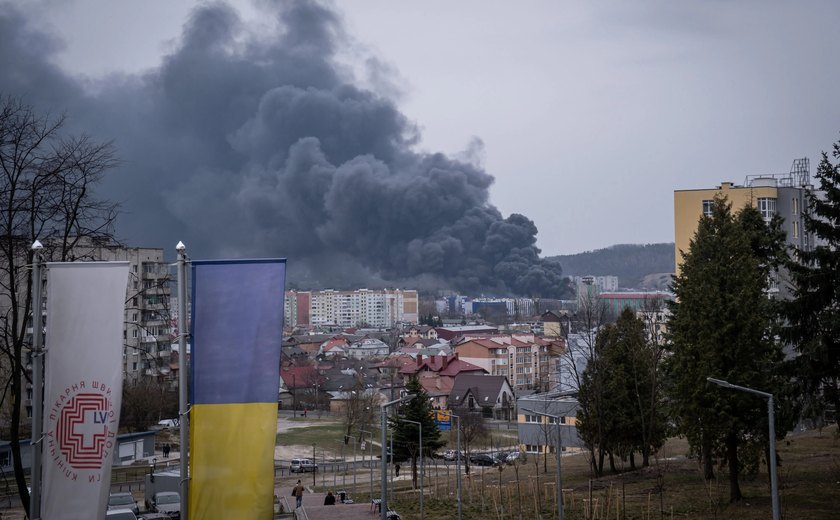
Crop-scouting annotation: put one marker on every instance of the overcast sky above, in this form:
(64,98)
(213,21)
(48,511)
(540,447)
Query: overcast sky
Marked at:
(588,115)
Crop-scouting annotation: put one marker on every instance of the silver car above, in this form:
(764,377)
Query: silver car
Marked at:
(123,501)
(168,502)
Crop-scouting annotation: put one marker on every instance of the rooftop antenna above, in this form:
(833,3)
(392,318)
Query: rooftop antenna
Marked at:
(800,171)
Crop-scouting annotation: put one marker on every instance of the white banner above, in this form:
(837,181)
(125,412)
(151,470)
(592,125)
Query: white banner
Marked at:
(83,386)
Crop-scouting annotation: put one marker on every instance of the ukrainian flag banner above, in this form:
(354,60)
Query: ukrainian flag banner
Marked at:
(237,328)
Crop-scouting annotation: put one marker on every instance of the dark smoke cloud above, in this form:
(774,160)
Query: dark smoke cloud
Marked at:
(243,146)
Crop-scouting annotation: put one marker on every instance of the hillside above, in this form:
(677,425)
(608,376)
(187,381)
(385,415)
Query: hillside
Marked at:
(636,265)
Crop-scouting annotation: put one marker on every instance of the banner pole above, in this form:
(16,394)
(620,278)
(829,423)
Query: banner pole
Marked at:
(37,380)
(183,411)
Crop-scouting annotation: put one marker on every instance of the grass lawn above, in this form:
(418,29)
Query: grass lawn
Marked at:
(327,434)
(672,487)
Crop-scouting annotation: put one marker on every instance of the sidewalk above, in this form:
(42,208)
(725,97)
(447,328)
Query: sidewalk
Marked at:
(316,510)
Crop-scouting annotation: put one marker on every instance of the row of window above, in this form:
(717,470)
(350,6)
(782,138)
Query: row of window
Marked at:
(537,419)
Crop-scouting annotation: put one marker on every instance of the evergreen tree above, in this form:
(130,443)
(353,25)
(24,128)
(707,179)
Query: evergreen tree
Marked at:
(407,434)
(720,327)
(621,409)
(813,315)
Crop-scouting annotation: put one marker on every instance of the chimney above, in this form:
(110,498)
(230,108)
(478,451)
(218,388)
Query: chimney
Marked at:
(419,360)
(445,361)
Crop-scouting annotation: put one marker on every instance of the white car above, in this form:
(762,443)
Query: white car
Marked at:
(120,514)
(302,466)
(168,502)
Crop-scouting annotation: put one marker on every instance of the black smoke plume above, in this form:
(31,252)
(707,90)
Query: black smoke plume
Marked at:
(246,146)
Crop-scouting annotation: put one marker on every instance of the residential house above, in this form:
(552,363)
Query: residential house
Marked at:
(445,366)
(438,388)
(490,395)
(368,348)
(538,433)
(422,331)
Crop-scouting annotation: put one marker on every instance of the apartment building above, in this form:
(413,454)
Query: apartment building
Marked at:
(602,283)
(528,361)
(772,194)
(149,315)
(148,322)
(376,308)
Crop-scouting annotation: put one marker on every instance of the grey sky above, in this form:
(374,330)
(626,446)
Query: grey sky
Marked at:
(590,113)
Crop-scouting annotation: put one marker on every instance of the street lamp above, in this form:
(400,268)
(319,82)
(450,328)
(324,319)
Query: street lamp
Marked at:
(370,461)
(774,486)
(457,459)
(383,504)
(558,450)
(422,466)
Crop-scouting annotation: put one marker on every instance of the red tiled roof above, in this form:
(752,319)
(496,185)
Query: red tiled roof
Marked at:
(445,366)
(298,377)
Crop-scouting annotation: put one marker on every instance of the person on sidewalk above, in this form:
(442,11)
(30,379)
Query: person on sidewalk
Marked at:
(297,492)
(329,500)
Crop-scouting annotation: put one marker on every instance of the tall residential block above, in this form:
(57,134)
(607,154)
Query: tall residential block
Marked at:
(772,194)
(377,308)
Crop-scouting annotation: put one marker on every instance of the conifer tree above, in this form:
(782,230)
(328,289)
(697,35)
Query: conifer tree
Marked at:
(813,315)
(407,434)
(721,327)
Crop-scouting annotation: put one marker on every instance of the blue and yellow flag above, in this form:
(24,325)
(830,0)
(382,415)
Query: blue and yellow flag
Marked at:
(237,329)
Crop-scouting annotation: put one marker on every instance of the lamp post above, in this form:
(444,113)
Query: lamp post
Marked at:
(558,450)
(383,504)
(457,460)
(422,466)
(370,461)
(313,462)
(774,486)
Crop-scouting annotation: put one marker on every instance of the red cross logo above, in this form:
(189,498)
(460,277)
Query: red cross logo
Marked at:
(82,429)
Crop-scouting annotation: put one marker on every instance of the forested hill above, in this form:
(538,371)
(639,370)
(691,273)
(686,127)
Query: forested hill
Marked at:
(632,263)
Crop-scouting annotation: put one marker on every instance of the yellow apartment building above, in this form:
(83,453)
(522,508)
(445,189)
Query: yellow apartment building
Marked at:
(772,194)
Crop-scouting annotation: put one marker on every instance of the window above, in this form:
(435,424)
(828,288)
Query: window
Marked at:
(532,448)
(795,230)
(794,205)
(532,418)
(767,208)
(707,207)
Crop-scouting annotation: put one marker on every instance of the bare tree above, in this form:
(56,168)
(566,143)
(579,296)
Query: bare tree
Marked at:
(359,409)
(46,181)
(473,429)
(585,324)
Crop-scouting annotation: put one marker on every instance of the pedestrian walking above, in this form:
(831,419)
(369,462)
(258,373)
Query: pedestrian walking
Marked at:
(297,492)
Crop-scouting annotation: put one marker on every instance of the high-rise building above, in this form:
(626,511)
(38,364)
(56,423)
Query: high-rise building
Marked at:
(376,308)
(149,314)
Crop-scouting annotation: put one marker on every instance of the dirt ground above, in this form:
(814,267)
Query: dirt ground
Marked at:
(290,452)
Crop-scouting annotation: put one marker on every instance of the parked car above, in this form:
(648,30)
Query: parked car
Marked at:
(513,457)
(483,459)
(452,455)
(154,516)
(302,466)
(123,501)
(168,502)
(120,514)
